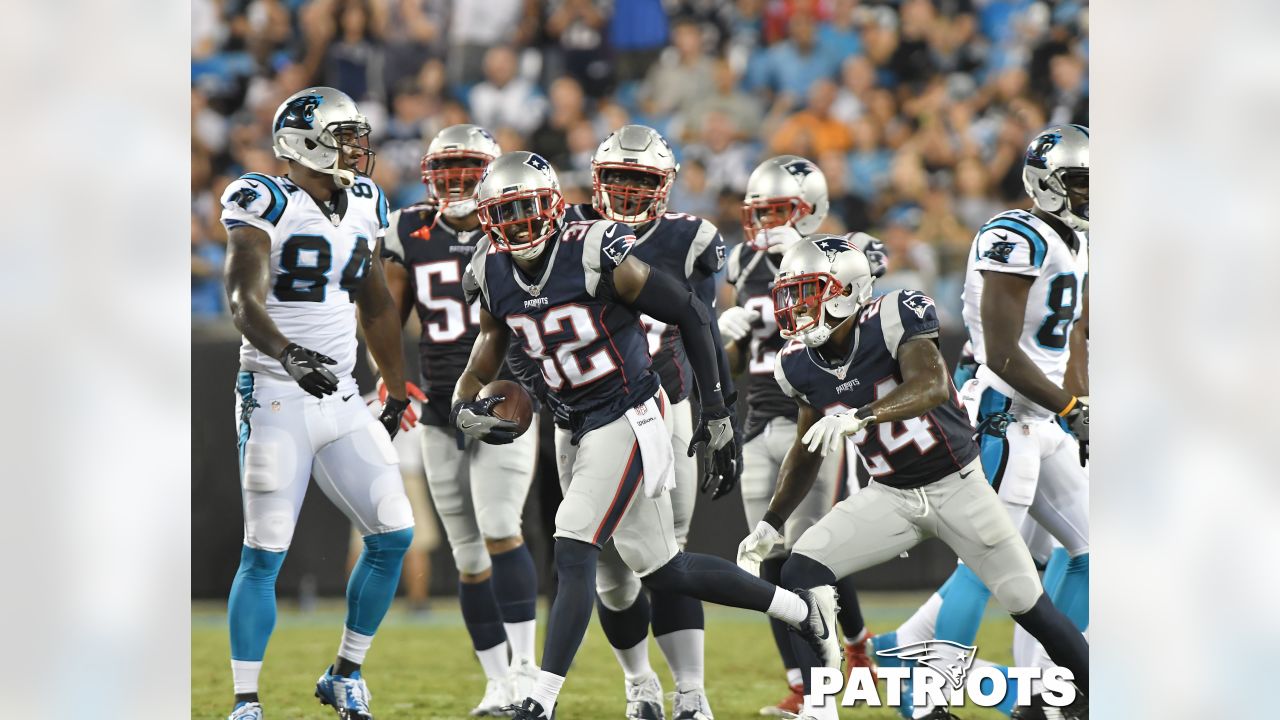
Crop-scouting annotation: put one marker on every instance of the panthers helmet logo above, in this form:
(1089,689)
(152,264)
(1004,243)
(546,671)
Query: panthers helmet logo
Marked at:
(1040,147)
(300,113)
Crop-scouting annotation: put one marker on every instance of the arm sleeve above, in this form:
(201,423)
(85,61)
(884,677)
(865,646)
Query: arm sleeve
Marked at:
(1009,245)
(907,315)
(705,290)
(254,200)
(665,299)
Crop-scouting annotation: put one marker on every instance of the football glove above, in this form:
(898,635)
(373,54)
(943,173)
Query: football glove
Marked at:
(409,418)
(827,434)
(714,430)
(725,467)
(475,419)
(307,368)
(754,547)
(1078,423)
(735,323)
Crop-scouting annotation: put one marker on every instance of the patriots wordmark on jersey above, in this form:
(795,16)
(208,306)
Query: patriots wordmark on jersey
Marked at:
(904,454)
(591,350)
(690,250)
(319,259)
(752,273)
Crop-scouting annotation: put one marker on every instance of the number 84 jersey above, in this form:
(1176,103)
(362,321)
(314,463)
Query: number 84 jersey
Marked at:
(317,265)
(1020,243)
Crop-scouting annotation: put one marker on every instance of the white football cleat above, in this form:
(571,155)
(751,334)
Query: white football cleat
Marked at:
(819,628)
(644,699)
(523,677)
(497,696)
(691,705)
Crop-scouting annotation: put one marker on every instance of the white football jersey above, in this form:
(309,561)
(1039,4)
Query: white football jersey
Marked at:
(316,266)
(1018,242)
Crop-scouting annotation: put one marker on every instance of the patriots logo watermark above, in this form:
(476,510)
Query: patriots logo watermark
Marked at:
(1000,250)
(799,168)
(950,659)
(244,197)
(918,303)
(300,113)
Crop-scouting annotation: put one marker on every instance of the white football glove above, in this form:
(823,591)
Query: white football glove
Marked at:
(754,547)
(828,433)
(735,323)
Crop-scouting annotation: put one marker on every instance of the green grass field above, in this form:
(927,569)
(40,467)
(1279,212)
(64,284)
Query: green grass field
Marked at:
(422,667)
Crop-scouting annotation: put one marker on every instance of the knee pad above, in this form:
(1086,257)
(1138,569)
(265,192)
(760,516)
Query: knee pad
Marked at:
(392,544)
(802,571)
(575,559)
(1019,593)
(271,532)
(617,590)
(471,558)
(498,524)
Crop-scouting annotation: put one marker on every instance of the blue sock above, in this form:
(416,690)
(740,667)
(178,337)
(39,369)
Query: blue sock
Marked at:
(1054,570)
(375,578)
(1072,594)
(628,627)
(1011,691)
(571,612)
(964,600)
(672,612)
(771,570)
(884,641)
(515,584)
(849,612)
(251,608)
(481,615)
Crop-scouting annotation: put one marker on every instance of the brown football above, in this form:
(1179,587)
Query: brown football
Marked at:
(517,407)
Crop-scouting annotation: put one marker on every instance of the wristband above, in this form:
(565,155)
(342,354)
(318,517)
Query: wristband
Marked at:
(773,519)
(863,412)
(1070,406)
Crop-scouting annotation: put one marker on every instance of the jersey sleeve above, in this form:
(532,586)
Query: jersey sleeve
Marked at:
(253,200)
(473,286)
(604,248)
(780,362)
(707,251)
(1009,245)
(907,315)
(383,210)
(733,266)
(392,246)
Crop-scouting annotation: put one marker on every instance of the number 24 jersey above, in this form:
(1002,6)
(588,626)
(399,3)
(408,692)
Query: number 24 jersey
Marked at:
(317,266)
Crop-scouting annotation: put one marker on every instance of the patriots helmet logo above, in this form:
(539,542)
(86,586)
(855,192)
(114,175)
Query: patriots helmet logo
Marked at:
(300,113)
(537,162)
(1040,147)
(918,303)
(244,197)
(799,168)
(949,659)
(1000,251)
(833,246)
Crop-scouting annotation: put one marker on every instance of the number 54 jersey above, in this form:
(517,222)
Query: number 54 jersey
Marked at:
(1020,243)
(906,454)
(317,264)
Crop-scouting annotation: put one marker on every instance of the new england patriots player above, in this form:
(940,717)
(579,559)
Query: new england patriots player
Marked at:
(573,295)
(632,172)
(871,370)
(302,258)
(1026,309)
(479,490)
(786,196)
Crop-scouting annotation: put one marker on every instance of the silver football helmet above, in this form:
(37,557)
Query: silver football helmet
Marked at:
(786,199)
(453,165)
(822,281)
(519,203)
(1056,173)
(317,127)
(631,175)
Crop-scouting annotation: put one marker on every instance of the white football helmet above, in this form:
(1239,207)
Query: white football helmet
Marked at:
(316,127)
(631,175)
(786,199)
(453,165)
(519,203)
(1056,173)
(822,281)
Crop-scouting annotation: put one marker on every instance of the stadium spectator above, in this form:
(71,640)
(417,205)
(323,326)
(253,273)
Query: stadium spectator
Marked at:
(849,206)
(578,27)
(682,75)
(813,131)
(568,108)
(637,33)
(728,161)
(857,80)
(742,108)
(355,60)
(505,99)
(474,28)
(786,69)
(691,194)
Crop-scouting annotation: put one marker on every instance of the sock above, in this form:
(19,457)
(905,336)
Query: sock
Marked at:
(794,676)
(628,631)
(375,578)
(515,586)
(683,650)
(480,614)
(354,646)
(522,635)
(1072,595)
(848,612)
(547,690)
(634,660)
(712,579)
(1060,638)
(964,600)
(493,661)
(771,571)
(571,611)
(921,626)
(251,607)
(788,607)
(244,675)
(1024,647)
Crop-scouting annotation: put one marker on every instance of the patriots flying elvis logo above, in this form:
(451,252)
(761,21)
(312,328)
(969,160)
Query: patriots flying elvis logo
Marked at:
(918,303)
(300,113)
(537,162)
(799,168)
(832,246)
(949,659)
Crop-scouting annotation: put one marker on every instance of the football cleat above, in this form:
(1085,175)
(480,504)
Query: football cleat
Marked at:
(788,706)
(644,699)
(523,677)
(819,628)
(246,711)
(855,655)
(348,696)
(530,709)
(1039,710)
(691,705)
(497,695)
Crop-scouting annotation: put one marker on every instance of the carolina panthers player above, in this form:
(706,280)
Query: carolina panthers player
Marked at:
(871,370)
(573,295)
(786,196)
(1026,309)
(632,173)
(478,490)
(302,258)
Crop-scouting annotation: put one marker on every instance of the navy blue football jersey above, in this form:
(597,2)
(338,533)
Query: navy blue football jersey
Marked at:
(691,251)
(752,273)
(904,454)
(590,348)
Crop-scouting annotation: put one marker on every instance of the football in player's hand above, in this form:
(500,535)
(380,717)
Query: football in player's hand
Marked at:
(517,407)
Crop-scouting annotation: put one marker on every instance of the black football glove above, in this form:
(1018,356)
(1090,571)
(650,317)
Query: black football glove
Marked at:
(307,368)
(1078,423)
(713,430)
(475,419)
(725,467)
(392,411)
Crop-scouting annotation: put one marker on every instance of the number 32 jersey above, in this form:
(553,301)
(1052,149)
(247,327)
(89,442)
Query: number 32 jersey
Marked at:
(317,266)
(1020,243)
(905,454)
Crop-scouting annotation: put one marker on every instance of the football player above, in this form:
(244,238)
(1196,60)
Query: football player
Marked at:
(572,294)
(479,490)
(303,257)
(786,196)
(1026,307)
(871,370)
(632,173)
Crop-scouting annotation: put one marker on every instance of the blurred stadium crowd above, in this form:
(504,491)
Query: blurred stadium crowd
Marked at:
(918,111)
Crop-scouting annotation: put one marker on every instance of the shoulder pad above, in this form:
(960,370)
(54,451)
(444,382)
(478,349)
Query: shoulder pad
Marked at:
(605,244)
(254,199)
(1011,242)
(473,285)
(779,370)
(906,315)
(707,246)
